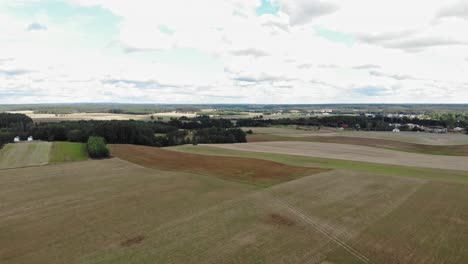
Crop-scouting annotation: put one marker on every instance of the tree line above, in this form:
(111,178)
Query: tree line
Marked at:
(201,129)
(378,123)
(12,125)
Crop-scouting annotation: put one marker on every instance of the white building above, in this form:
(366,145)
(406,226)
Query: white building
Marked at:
(17,139)
(30,138)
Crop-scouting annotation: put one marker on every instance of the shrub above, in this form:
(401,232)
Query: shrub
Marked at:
(97,147)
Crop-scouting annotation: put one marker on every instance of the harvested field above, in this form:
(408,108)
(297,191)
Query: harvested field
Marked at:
(450,150)
(255,171)
(453,176)
(24,154)
(409,137)
(64,213)
(354,153)
(430,228)
(112,211)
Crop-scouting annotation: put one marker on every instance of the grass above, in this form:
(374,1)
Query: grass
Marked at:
(380,169)
(448,150)
(249,170)
(24,154)
(67,152)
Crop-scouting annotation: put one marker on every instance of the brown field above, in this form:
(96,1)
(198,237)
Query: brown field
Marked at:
(354,153)
(113,211)
(259,172)
(65,213)
(430,227)
(453,150)
(409,137)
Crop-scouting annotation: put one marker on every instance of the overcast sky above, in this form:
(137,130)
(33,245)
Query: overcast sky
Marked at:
(234,51)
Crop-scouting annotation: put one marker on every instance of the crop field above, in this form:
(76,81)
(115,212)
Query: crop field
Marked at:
(354,153)
(265,133)
(259,172)
(446,175)
(451,150)
(24,154)
(114,211)
(67,151)
(40,153)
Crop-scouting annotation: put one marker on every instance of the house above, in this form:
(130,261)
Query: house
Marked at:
(30,138)
(16,139)
(436,129)
(396,130)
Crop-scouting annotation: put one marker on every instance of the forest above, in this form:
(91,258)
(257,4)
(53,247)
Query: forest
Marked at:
(154,133)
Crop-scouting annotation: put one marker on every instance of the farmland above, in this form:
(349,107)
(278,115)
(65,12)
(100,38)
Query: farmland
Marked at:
(24,154)
(40,153)
(67,151)
(352,152)
(263,202)
(260,172)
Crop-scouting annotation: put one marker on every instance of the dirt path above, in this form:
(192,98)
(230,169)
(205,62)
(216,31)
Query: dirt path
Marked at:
(352,152)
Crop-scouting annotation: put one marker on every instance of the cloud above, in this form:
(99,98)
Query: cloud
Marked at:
(408,40)
(36,27)
(398,77)
(14,72)
(416,44)
(134,83)
(366,67)
(250,52)
(224,51)
(305,66)
(303,11)
(373,91)
(459,10)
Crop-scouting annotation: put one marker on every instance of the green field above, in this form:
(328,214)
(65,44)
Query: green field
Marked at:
(40,153)
(24,154)
(67,152)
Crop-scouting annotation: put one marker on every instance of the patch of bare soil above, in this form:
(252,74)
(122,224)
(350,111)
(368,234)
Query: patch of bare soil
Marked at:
(255,171)
(132,241)
(277,219)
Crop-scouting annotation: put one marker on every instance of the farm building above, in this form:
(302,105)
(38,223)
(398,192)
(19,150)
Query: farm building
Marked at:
(17,139)
(436,129)
(30,138)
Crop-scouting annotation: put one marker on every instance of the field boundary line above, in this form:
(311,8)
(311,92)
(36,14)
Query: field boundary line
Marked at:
(322,230)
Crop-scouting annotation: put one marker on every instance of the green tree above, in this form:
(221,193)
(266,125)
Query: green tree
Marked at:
(97,147)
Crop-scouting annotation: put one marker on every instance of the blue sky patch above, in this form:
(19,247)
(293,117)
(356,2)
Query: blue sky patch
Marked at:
(268,7)
(370,90)
(335,36)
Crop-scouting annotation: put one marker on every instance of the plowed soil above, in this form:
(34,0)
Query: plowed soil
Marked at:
(254,171)
(452,150)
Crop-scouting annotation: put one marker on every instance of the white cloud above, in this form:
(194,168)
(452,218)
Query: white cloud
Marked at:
(303,11)
(221,51)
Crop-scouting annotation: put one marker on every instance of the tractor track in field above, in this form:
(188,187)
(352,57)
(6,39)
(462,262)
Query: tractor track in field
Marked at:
(322,230)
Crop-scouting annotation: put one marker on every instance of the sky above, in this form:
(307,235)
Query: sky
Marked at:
(234,51)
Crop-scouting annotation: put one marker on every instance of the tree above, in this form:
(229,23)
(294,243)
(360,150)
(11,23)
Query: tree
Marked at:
(97,147)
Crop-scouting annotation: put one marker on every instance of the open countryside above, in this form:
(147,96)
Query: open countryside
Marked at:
(233,132)
(281,194)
